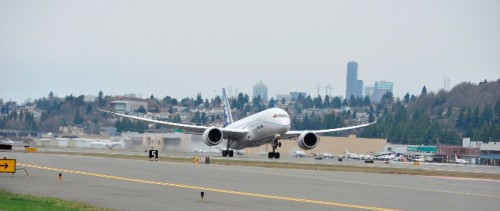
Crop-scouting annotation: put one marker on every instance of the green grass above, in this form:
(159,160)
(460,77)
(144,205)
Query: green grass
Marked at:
(13,201)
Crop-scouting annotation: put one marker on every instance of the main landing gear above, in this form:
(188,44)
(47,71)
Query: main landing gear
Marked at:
(227,152)
(275,144)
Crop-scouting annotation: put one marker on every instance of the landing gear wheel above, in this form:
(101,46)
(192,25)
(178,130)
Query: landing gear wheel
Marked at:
(227,153)
(275,144)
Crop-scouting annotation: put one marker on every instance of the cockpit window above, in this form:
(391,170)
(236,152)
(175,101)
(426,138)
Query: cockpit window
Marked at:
(280,116)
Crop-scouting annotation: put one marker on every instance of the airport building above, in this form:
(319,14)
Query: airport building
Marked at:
(446,154)
(490,153)
(354,87)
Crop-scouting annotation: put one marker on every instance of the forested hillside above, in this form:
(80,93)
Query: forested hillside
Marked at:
(468,110)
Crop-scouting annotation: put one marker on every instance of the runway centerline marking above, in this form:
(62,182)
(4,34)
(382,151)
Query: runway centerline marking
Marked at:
(258,195)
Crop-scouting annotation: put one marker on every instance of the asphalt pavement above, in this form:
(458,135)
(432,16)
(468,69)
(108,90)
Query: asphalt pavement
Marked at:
(123,184)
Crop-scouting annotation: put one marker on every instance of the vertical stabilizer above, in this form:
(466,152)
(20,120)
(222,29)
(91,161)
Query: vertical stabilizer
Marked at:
(228,118)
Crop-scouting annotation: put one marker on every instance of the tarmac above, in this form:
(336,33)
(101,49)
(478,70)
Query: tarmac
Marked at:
(123,184)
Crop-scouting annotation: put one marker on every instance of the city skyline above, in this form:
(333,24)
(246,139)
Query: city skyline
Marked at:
(182,48)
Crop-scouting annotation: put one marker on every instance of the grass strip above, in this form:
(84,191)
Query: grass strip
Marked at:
(13,201)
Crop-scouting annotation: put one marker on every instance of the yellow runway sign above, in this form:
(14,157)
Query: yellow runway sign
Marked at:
(7,165)
(30,149)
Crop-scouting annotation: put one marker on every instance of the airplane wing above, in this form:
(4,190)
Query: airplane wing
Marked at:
(227,132)
(297,133)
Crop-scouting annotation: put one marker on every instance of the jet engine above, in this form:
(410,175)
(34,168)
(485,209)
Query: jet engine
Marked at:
(212,136)
(308,140)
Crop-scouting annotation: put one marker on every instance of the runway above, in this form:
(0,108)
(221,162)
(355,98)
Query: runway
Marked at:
(123,184)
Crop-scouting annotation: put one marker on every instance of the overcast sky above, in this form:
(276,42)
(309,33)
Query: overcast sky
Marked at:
(181,48)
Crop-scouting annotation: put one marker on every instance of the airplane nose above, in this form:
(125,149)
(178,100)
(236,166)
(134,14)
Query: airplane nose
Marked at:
(286,124)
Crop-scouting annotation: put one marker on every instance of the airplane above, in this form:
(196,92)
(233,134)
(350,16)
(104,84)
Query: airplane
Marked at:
(326,155)
(387,157)
(418,159)
(107,144)
(300,154)
(460,161)
(265,127)
(351,155)
(367,157)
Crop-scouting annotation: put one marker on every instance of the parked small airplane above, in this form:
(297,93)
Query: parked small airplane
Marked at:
(351,155)
(266,127)
(107,144)
(419,159)
(326,155)
(460,161)
(300,154)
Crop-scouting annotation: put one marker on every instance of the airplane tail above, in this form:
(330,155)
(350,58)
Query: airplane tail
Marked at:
(228,118)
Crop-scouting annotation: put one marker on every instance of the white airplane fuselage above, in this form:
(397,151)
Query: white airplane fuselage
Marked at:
(262,128)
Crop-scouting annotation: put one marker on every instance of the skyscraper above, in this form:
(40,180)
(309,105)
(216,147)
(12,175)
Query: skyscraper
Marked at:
(354,87)
(381,87)
(260,89)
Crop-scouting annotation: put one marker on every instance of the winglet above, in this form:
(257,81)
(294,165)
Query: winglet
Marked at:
(228,118)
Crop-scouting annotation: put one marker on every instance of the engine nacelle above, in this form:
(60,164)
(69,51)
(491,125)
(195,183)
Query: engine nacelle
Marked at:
(308,140)
(212,136)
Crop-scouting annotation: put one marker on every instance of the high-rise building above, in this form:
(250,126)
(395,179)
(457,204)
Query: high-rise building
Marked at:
(381,87)
(295,95)
(260,89)
(354,87)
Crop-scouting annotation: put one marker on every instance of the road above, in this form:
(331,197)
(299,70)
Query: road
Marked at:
(123,184)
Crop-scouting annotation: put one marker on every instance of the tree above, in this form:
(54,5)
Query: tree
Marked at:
(100,99)
(326,102)
(497,108)
(424,91)
(366,101)
(29,122)
(141,109)
(407,98)
(176,118)
(283,101)
(308,102)
(318,102)
(89,108)
(272,103)
(336,102)
(77,118)
(216,102)
(199,100)
(241,101)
